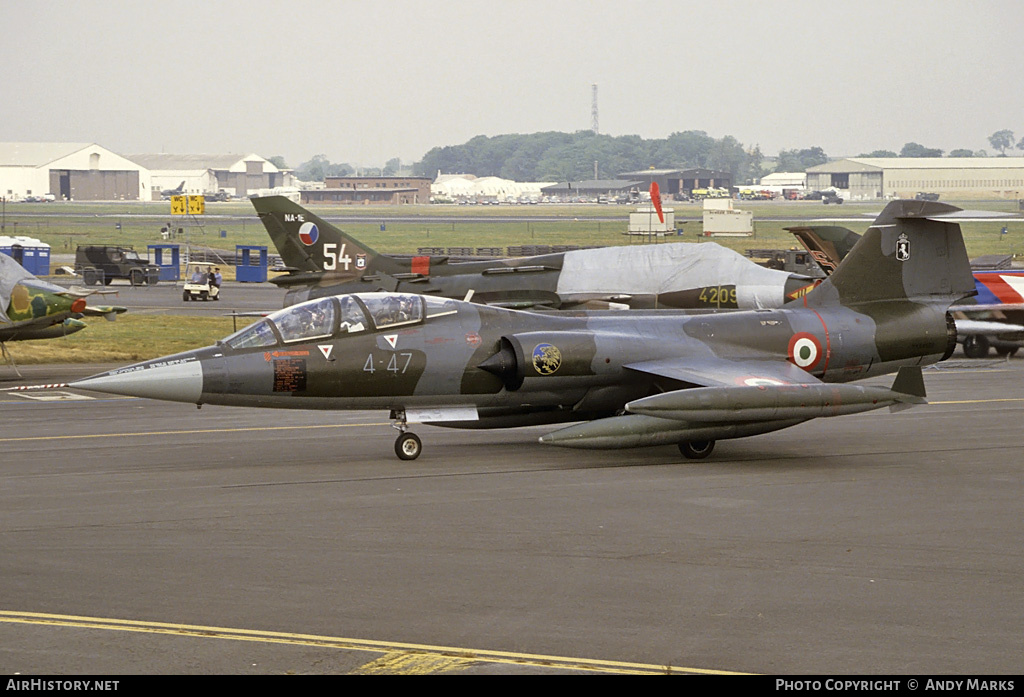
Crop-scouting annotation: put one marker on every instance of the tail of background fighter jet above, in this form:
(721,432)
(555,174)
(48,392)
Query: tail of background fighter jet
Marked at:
(307,242)
(906,255)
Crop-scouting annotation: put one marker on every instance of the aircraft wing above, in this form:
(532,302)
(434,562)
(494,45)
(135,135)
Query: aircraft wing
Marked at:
(109,312)
(745,406)
(747,403)
(717,372)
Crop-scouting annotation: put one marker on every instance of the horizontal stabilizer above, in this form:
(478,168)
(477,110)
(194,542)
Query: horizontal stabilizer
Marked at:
(107,312)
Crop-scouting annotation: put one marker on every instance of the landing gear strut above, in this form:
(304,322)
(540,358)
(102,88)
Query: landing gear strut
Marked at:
(696,450)
(408,445)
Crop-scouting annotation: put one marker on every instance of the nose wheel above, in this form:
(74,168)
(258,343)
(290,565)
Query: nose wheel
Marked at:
(408,445)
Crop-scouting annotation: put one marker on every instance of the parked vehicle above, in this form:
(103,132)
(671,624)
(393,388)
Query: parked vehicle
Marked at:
(101,264)
(201,283)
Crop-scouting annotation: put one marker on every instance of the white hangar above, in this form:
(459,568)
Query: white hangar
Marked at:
(70,171)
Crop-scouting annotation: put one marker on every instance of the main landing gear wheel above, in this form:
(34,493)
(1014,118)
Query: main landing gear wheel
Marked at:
(696,450)
(408,446)
(976,346)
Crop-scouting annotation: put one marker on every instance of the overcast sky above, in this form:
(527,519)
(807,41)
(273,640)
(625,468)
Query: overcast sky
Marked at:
(366,81)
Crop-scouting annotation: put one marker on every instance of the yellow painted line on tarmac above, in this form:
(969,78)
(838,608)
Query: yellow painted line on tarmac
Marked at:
(189,432)
(395,657)
(980,401)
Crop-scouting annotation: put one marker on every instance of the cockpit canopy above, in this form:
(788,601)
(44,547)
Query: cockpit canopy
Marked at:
(339,316)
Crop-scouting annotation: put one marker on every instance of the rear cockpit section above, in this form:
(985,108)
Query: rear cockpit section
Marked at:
(339,316)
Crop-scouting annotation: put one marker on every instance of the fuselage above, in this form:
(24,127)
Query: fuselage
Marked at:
(683,276)
(39,310)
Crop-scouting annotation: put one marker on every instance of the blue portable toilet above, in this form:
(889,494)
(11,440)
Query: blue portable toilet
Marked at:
(31,253)
(168,258)
(251,263)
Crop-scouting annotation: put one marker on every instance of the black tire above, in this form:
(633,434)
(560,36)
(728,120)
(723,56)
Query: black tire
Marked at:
(976,346)
(186,296)
(203,295)
(89,277)
(135,278)
(106,281)
(696,450)
(408,446)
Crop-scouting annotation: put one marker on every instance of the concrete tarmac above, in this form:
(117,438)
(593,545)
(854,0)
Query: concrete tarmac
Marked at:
(148,537)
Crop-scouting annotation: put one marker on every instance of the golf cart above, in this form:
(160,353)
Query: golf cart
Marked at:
(199,282)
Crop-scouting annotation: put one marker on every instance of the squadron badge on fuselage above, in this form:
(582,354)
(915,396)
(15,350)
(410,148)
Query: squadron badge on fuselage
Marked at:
(546,359)
(902,247)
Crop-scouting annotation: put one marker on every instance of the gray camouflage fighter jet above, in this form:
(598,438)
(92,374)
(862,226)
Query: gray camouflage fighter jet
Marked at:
(635,378)
(322,261)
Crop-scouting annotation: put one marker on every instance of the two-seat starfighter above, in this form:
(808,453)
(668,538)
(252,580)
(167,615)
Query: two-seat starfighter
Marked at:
(634,378)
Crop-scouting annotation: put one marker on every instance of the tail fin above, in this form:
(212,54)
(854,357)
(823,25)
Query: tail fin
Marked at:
(906,254)
(307,242)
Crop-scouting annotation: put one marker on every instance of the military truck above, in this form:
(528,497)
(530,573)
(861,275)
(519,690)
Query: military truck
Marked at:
(798,261)
(101,264)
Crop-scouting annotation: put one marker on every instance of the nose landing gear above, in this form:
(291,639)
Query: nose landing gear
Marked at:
(408,445)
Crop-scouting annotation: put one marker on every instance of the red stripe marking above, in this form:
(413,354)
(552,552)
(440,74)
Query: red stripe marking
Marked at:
(999,287)
(421,265)
(828,342)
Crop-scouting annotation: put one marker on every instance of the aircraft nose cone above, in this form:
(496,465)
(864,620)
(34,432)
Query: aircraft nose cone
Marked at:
(179,381)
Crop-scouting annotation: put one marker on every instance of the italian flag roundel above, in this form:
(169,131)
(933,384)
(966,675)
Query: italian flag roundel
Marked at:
(804,350)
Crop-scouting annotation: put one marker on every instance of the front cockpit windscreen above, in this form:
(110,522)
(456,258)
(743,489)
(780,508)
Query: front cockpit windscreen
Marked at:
(256,335)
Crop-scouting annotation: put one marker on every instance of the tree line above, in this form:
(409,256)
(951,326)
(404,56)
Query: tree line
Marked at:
(558,156)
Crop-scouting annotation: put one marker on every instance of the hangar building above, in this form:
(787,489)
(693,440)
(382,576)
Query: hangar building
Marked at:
(674,181)
(367,190)
(70,171)
(205,174)
(591,187)
(904,177)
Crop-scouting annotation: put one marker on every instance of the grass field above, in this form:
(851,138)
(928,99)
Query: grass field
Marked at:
(129,339)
